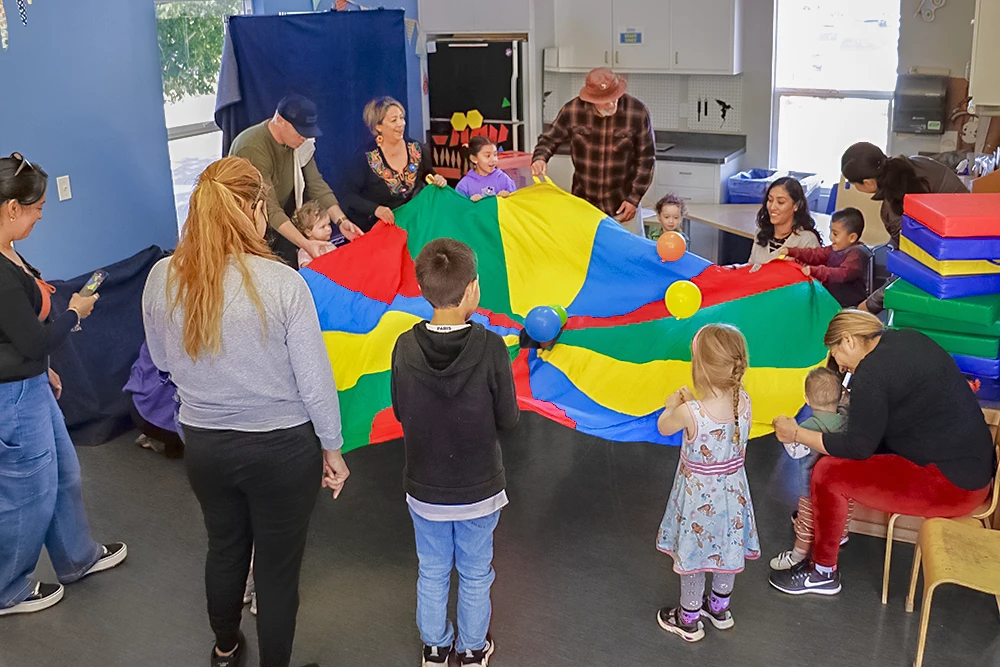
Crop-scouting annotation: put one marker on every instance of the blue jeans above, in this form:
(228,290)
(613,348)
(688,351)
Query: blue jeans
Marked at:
(467,546)
(41,501)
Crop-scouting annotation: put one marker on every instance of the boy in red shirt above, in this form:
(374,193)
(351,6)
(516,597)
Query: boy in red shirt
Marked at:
(842,266)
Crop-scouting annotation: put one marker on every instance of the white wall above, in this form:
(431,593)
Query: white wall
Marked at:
(758,80)
(944,42)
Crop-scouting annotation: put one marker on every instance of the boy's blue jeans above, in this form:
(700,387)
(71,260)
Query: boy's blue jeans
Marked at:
(41,501)
(467,546)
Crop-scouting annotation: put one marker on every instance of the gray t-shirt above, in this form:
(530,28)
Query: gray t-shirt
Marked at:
(263,379)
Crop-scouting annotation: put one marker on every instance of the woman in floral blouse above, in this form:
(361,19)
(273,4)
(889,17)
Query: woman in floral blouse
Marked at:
(387,173)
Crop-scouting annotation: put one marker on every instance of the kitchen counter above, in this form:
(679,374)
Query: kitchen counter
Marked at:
(697,147)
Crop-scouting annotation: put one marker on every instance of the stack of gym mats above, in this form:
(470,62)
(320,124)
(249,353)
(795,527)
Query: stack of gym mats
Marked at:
(949,288)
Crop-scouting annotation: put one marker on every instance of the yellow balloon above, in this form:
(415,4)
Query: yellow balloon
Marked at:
(683,299)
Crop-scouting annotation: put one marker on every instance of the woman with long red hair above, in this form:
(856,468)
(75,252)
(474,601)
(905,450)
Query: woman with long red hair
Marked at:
(238,332)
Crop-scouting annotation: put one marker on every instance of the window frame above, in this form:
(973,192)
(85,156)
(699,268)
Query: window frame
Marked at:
(823,94)
(208,126)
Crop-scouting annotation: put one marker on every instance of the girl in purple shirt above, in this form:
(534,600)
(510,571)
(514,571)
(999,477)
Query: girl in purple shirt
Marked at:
(484,179)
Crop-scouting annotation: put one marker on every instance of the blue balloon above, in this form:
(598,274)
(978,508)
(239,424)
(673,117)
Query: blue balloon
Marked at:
(543,323)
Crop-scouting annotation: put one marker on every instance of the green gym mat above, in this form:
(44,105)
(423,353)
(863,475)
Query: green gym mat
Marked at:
(984,310)
(955,343)
(904,318)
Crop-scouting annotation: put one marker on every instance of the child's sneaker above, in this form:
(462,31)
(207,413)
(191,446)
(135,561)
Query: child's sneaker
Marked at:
(480,658)
(805,578)
(722,620)
(670,620)
(253,604)
(434,656)
(786,560)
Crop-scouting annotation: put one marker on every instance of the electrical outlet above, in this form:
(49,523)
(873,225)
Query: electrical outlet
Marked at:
(65,192)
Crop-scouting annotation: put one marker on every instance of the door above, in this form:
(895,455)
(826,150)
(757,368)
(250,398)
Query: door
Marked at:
(583,33)
(642,35)
(703,36)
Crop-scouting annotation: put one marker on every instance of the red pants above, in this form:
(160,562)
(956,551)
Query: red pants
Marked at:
(884,482)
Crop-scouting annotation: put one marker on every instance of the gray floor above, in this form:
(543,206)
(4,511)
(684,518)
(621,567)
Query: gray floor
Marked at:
(579,579)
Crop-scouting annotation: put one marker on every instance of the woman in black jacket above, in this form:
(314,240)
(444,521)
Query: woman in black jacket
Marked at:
(889,180)
(41,502)
(390,171)
(916,442)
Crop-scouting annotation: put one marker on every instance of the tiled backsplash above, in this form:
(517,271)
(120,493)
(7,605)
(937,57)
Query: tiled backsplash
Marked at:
(672,99)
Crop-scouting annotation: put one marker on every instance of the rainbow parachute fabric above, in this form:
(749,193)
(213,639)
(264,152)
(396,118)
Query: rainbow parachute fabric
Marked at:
(621,352)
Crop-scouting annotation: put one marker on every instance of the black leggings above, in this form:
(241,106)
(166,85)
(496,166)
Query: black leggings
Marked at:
(257,491)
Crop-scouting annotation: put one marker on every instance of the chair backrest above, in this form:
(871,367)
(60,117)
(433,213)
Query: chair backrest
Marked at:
(993,419)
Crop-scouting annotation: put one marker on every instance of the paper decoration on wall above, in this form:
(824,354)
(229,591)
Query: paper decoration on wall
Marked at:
(458,121)
(411,30)
(475,119)
(341,5)
(427,85)
(505,104)
(3,27)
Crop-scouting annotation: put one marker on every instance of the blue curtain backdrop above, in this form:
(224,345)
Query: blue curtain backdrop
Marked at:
(341,60)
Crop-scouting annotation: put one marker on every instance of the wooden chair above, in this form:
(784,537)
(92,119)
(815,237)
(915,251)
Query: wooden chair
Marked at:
(955,552)
(982,514)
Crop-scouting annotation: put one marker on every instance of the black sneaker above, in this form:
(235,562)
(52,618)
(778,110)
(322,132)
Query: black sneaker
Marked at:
(804,579)
(237,658)
(722,620)
(670,620)
(42,597)
(112,555)
(480,658)
(435,655)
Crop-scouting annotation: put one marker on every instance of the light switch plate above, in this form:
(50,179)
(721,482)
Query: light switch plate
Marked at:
(65,192)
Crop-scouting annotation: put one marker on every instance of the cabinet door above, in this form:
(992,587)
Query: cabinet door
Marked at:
(583,33)
(642,35)
(984,81)
(705,36)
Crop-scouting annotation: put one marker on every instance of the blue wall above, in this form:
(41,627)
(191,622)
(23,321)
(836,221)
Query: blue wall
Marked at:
(414,118)
(82,96)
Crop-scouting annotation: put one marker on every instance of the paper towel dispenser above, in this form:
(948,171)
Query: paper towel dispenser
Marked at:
(920,104)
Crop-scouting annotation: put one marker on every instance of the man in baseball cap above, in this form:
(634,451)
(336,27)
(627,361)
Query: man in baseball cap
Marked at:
(282,149)
(611,144)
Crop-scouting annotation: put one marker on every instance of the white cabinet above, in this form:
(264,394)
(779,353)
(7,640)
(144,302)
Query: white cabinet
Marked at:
(705,36)
(984,79)
(583,34)
(640,39)
(670,36)
(474,16)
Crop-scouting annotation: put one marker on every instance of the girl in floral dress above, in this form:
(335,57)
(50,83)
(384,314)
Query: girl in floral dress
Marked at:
(709,522)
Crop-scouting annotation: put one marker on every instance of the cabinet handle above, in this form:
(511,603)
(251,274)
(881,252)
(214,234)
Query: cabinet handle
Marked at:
(605,57)
(685,173)
(616,57)
(675,57)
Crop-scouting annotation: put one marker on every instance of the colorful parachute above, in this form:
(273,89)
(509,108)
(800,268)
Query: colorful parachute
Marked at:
(620,354)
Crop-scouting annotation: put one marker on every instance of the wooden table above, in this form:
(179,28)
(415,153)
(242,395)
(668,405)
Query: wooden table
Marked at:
(705,224)
(741,219)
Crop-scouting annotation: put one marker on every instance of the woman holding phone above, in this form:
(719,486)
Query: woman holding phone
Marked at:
(41,501)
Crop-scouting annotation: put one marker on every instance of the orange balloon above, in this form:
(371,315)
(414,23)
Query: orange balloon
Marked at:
(671,247)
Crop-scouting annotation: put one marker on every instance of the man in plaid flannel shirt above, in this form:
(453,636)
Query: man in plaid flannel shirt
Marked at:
(611,144)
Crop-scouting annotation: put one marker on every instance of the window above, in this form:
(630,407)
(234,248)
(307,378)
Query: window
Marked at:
(190,34)
(835,70)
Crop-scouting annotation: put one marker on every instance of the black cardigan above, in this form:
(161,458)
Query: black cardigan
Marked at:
(25,342)
(908,398)
(370,182)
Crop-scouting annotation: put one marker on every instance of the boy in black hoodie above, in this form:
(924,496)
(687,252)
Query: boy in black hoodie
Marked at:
(453,390)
